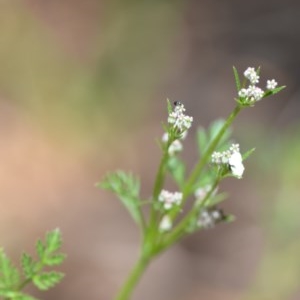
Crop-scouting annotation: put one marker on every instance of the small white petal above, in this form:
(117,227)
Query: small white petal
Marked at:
(165,137)
(271,84)
(175,147)
(165,224)
(236,164)
(235,158)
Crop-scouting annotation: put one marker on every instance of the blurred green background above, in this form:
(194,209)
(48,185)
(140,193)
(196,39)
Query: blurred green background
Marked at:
(83,88)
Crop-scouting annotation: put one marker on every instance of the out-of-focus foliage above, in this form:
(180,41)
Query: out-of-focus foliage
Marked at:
(12,282)
(124,60)
(279,273)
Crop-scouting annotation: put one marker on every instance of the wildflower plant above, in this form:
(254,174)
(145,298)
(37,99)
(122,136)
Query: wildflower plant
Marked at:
(195,205)
(33,270)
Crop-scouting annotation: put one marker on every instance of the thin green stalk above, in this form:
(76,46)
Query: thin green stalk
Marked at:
(133,278)
(203,161)
(179,230)
(159,182)
(24,283)
(201,164)
(143,221)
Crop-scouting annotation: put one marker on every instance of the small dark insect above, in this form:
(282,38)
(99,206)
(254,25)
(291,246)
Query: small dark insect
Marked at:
(217,214)
(177,103)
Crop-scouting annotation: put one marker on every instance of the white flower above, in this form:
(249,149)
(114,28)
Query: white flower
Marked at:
(216,157)
(243,93)
(249,72)
(205,220)
(175,147)
(234,148)
(236,164)
(255,93)
(165,224)
(216,214)
(183,135)
(201,192)
(165,137)
(178,119)
(251,94)
(169,199)
(251,75)
(209,218)
(232,158)
(271,84)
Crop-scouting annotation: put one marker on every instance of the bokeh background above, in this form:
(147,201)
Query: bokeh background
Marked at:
(83,88)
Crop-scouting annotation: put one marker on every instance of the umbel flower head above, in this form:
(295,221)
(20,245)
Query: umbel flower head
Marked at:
(178,119)
(169,199)
(252,93)
(231,158)
(209,217)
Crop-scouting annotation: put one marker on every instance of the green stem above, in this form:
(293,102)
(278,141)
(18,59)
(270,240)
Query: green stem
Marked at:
(201,164)
(180,229)
(133,278)
(159,182)
(24,283)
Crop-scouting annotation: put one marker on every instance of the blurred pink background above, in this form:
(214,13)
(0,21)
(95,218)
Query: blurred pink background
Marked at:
(83,88)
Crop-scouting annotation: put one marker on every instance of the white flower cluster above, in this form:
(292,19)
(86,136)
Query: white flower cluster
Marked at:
(178,119)
(271,84)
(176,146)
(169,199)
(201,192)
(232,158)
(209,218)
(251,75)
(253,93)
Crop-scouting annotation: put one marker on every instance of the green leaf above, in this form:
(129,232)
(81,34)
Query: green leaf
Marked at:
(192,225)
(16,295)
(214,130)
(9,274)
(10,283)
(46,280)
(53,240)
(248,153)
(127,188)
(169,105)
(258,70)
(236,78)
(202,140)
(205,137)
(40,249)
(214,200)
(177,169)
(25,297)
(275,91)
(229,218)
(28,265)
(54,260)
